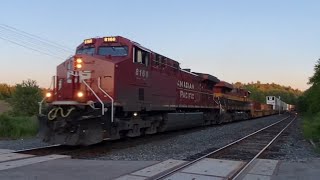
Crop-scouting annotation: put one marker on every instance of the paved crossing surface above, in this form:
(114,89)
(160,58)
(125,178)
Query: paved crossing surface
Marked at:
(15,166)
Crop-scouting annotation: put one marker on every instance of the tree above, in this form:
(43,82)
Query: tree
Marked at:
(5,91)
(259,91)
(25,98)
(315,79)
(309,102)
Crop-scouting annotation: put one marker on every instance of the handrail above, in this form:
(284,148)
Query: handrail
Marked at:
(99,86)
(40,105)
(102,105)
(53,83)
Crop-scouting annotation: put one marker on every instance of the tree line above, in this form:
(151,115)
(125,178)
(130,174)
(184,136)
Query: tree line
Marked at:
(309,106)
(309,102)
(259,91)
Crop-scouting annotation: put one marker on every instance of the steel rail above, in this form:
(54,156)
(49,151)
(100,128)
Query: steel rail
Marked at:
(257,155)
(37,148)
(215,151)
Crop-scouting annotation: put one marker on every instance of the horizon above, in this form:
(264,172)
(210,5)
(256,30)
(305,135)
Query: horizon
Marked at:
(233,83)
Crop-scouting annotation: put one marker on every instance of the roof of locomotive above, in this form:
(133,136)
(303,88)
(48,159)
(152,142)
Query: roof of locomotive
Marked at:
(224,84)
(119,39)
(116,40)
(208,77)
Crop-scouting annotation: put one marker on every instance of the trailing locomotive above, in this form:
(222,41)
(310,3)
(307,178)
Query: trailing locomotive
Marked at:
(114,87)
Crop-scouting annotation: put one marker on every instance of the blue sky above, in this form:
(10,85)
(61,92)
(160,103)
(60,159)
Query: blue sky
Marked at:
(249,40)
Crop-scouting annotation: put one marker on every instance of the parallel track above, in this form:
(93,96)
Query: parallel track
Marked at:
(247,149)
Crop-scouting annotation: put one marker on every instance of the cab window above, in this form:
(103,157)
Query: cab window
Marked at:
(113,50)
(141,56)
(87,50)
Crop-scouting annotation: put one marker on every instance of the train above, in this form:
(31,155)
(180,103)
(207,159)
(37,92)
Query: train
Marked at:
(113,88)
(278,104)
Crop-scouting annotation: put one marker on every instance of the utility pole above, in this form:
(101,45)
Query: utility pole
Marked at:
(279,104)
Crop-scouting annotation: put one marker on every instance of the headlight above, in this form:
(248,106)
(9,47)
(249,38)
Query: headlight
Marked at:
(48,94)
(78,63)
(80,94)
(79,60)
(79,66)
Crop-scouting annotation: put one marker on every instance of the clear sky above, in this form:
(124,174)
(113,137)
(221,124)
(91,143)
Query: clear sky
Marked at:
(248,40)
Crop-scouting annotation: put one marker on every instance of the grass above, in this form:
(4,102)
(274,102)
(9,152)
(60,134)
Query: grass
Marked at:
(311,127)
(4,106)
(17,127)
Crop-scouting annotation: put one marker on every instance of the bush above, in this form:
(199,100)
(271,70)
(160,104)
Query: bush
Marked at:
(6,91)
(25,98)
(15,127)
(311,127)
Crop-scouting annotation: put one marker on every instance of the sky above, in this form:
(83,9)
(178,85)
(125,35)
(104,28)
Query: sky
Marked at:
(246,41)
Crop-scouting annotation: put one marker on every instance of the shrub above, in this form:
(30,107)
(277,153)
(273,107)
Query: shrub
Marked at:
(6,91)
(311,127)
(15,126)
(25,98)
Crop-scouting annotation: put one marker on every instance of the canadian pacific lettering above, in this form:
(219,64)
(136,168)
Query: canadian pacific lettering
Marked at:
(186,95)
(184,84)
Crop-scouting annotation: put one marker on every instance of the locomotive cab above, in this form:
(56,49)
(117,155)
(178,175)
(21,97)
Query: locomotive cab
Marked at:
(83,92)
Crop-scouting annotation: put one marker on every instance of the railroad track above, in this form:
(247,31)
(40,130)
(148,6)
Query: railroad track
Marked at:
(96,150)
(246,149)
(92,151)
(85,152)
(47,150)
(72,151)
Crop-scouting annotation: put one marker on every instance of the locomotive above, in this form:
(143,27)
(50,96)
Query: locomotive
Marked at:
(114,87)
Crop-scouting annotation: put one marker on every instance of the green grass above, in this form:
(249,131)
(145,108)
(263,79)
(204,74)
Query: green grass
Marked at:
(17,127)
(311,127)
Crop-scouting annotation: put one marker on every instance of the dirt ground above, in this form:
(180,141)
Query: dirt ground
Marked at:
(4,106)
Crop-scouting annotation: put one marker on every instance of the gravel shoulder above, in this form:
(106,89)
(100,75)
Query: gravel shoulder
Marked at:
(21,144)
(292,146)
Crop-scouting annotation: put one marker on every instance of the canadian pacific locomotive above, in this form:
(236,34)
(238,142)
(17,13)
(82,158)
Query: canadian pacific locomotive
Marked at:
(114,87)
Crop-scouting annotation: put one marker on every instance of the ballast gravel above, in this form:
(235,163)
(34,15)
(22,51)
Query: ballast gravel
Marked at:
(21,144)
(184,146)
(292,146)
(188,143)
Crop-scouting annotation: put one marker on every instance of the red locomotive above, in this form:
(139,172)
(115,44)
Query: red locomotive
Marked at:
(114,87)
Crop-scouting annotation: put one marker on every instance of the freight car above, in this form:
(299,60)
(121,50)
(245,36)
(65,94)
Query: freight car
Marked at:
(278,104)
(114,87)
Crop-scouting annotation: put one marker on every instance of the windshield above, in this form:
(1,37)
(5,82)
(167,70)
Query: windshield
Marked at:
(89,50)
(113,51)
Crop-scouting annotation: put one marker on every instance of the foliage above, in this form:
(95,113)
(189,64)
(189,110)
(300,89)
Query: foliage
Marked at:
(315,79)
(14,127)
(6,91)
(309,106)
(25,98)
(259,91)
(309,103)
(311,127)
